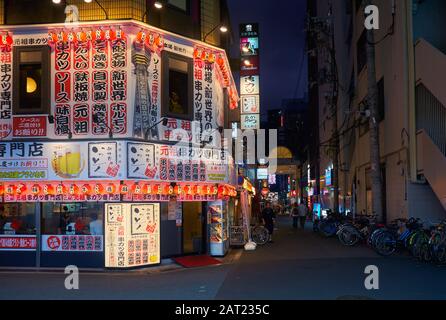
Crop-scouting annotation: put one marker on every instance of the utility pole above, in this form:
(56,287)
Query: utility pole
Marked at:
(372,102)
(334,144)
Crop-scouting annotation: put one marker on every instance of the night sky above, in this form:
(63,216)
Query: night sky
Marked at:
(281,45)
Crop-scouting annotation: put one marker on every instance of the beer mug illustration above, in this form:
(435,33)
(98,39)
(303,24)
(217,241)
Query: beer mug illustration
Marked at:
(67,161)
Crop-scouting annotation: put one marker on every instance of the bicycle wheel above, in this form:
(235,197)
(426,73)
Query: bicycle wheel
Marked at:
(348,237)
(441,253)
(386,244)
(260,235)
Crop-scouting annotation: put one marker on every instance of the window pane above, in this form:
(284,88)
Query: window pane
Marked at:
(30,86)
(178,87)
(18,218)
(72,218)
(30,57)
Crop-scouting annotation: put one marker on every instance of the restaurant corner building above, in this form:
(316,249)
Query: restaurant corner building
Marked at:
(91,170)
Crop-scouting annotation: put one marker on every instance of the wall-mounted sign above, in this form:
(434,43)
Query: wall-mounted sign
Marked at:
(17,242)
(249,30)
(29,126)
(72,243)
(250,104)
(249,85)
(132,235)
(249,66)
(250,121)
(249,46)
(328,180)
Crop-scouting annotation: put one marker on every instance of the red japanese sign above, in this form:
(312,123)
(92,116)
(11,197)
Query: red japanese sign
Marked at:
(33,126)
(17,242)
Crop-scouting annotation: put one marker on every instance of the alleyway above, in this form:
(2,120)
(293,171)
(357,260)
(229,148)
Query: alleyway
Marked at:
(298,265)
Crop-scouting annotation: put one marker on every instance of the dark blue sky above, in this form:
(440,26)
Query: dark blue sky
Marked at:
(281,44)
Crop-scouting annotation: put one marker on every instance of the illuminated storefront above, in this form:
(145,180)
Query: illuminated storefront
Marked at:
(109,154)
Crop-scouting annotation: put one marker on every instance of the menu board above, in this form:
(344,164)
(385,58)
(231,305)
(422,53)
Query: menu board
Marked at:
(132,235)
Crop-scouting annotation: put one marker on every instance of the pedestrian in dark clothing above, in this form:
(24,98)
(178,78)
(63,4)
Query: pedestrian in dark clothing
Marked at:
(303,211)
(268,217)
(295,214)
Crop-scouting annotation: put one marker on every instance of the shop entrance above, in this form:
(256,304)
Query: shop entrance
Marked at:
(194,226)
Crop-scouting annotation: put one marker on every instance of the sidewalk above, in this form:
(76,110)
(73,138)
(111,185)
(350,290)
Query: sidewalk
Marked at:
(167,265)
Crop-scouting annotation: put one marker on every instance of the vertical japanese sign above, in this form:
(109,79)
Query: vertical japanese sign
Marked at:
(5,91)
(132,235)
(90,88)
(199,101)
(249,76)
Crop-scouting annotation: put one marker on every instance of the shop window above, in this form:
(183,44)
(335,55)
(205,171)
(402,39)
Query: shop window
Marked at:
(17,219)
(31,80)
(72,218)
(178,90)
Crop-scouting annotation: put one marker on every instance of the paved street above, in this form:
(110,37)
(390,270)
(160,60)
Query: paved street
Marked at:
(298,265)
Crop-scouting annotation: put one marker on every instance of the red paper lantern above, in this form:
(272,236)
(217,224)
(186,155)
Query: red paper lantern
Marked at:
(177,190)
(21,188)
(90,35)
(98,188)
(2,189)
(86,189)
(61,189)
(81,36)
(147,189)
(204,55)
(123,189)
(197,53)
(167,190)
(211,58)
(119,34)
(156,189)
(141,37)
(159,42)
(10,189)
(71,37)
(110,188)
(74,189)
(52,37)
(99,35)
(136,189)
(186,190)
(220,61)
(62,37)
(48,189)
(109,35)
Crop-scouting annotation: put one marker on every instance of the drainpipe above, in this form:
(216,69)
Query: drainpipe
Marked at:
(409,97)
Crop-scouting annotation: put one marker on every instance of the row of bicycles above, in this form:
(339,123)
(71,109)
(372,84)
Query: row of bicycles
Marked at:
(425,242)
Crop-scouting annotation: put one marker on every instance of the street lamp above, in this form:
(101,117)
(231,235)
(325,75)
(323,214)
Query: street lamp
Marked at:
(158,5)
(223,29)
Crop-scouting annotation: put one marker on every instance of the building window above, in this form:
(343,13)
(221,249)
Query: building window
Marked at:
(72,218)
(361,51)
(177,93)
(17,219)
(179,4)
(31,80)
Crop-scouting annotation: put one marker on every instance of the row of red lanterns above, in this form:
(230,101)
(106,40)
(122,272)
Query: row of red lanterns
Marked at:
(123,189)
(153,41)
(85,36)
(207,55)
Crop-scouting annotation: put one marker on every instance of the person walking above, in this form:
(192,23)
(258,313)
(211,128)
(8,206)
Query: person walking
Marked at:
(302,212)
(295,215)
(268,217)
